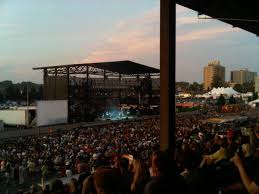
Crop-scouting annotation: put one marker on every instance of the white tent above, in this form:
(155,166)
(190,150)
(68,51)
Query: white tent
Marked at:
(215,92)
(254,102)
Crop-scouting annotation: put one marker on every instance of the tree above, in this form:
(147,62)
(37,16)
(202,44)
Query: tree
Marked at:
(248,87)
(218,82)
(196,87)
(238,88)
(250,98)
(32,93)
(24,92)
(232,100)
(221,100)
(10,92)
(1,97)
(17,93)
(255,95)
(182,86)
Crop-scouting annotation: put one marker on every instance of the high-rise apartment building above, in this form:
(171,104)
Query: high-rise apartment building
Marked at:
(257,84)
(212,72)
(242,76)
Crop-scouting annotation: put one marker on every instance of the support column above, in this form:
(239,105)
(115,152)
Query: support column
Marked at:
(104,76)
(167,74)
(45,88)
(104,89)
(68,82)
(120,88)
(150,90)
(138,90)
(87,94)
(68,92)
(55,93)
(87,74)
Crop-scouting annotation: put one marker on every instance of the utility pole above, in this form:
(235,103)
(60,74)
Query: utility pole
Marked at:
(27,105)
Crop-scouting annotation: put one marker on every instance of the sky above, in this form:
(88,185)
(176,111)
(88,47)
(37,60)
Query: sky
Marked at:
(40,33)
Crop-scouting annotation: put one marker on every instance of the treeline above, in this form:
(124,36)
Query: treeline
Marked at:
(18,91)
(196,87)
(186,86)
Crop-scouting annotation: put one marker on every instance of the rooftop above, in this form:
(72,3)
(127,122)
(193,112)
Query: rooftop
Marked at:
(120,67)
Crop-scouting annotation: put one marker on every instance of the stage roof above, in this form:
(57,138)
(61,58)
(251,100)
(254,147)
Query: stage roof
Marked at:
(121,67)
(242,14)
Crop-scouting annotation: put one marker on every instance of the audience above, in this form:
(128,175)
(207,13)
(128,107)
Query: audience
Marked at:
(114,159)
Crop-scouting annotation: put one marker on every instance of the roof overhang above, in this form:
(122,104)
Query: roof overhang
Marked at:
(242,14)
(120,67)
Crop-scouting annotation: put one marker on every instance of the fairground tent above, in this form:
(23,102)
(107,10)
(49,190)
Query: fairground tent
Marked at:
(216,92)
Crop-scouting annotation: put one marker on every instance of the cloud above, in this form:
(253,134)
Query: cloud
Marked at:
(204,34)
(6,25)
(187,20)
(21,73)
(138,38)
(134,39)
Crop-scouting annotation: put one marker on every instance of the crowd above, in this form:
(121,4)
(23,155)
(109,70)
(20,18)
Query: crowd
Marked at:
(77,151)
(124,158)
(209,156)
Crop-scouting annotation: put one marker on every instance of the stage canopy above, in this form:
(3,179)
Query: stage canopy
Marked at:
(119,67)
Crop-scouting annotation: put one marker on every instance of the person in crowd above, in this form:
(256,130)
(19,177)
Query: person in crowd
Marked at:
(123,165)
(108,181)
(16,173)
(21,173)
(249,178)
(2,165)
(160,180)
(232,145)
(44,171)
(140,177)
(69,172)
(57,187)
(73,186)
(189,161)
(32,168)
(217,156)
(46,190)
(88,186)
(8,172)
(81,178)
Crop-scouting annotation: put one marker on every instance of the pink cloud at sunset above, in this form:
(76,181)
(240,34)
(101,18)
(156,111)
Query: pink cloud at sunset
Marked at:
(204,34)
(133,39)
